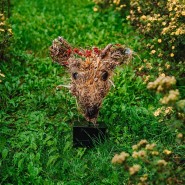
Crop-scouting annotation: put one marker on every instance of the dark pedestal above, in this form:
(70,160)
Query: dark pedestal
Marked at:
(88,135)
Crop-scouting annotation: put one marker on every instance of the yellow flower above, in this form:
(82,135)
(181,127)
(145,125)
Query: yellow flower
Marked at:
(139,9)
(119,159)
(117,2)
(149,65)
(170,9)
(162,82)
(2,75)
(143,17)
(134,169)
(128,17)
(159,40)
(135,147)
(142,142)
(144,178)
(2,24)
(147,79)
(162,75)
(135,154)
(160,69)
(123,5)
(171,97)
(180,135)
(10,31)
(140,68)
(2,17)
(173,47)
(155,153)
(167,66)
(95,9)
(167,152)
(168,110)
(141,153)
(153,52)
(160,55)
(150,146)
(171,55)
(161,162)
(157,112)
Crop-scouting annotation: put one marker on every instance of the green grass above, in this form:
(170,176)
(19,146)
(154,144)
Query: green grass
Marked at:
(36,120)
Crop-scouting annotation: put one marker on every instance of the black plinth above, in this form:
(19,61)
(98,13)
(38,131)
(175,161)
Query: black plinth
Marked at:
(88,135)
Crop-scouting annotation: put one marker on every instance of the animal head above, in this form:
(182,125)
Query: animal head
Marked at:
(91,71)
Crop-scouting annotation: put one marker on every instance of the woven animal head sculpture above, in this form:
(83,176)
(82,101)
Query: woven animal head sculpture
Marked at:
(91,71)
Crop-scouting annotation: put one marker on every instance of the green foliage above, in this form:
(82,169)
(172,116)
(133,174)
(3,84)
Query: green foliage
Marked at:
(51,22)
(36,120)
(163,22)
(5,37)
(5,30)
(120,5)
(150,164)
(5,7)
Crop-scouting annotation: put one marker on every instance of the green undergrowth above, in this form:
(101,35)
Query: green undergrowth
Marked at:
(36,120)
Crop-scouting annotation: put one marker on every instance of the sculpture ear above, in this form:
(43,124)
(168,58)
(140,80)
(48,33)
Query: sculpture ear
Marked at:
(116,54)
(60,51)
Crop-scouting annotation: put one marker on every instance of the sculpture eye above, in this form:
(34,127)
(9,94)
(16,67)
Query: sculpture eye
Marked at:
(75,75)
(104,75)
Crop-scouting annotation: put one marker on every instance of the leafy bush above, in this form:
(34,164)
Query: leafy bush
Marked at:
(163,22)
(162,25)
(120,5)
(5,36)
(149,163)
(172,111)
(5,7)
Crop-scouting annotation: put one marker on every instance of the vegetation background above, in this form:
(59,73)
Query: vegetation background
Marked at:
(36,120)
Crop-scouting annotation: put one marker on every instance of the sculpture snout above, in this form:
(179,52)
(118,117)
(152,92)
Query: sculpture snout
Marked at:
(92,112)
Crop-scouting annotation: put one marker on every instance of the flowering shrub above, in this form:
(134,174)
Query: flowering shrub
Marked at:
(5,35)
(163,22)
(120,5)
(149,164)
(164,84)
(173,110)
(1,75)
